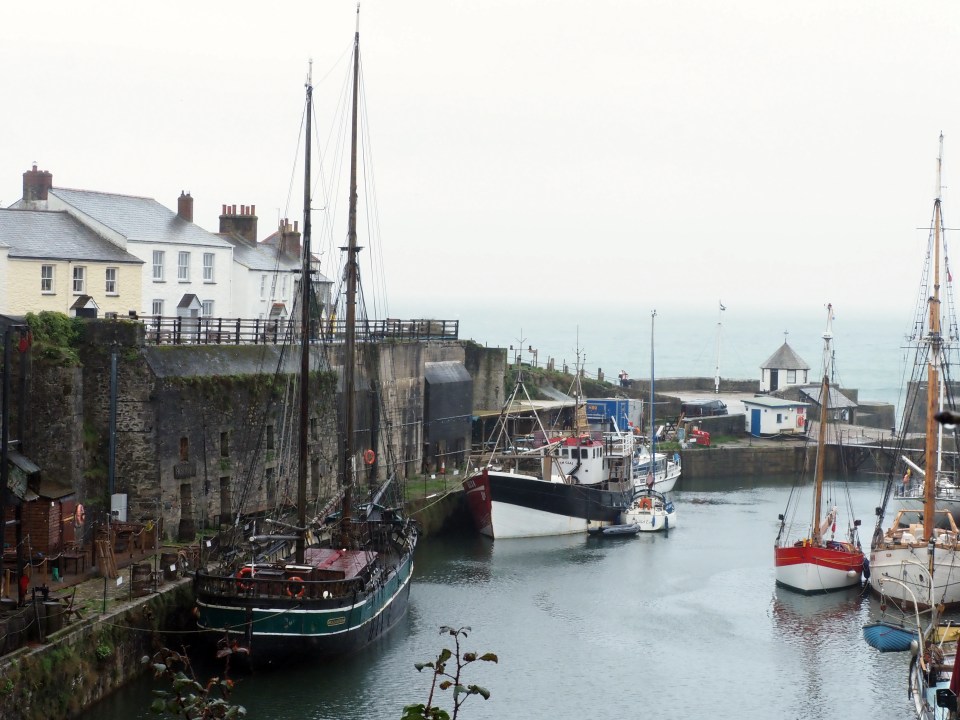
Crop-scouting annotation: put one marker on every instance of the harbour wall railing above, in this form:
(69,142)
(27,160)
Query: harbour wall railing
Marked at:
(160,330)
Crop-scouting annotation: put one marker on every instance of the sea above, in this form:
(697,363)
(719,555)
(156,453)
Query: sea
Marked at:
(869,348)
(684,624)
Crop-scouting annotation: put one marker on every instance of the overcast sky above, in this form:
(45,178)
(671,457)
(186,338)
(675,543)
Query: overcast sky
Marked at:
(667,154)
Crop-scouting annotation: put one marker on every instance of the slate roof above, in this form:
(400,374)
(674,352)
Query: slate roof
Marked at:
(785,358)
(837,399)
(55,235)
(771,401)
(138,219)
(260,257)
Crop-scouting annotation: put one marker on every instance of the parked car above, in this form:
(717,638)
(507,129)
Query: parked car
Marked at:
(703,408)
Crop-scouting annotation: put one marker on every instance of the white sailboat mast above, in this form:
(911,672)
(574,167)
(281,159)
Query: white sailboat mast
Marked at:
(716,376)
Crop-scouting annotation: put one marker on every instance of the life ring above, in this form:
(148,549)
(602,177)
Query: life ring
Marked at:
(245,572)
(79,515)
(295,584)
(369,457)
(646,503)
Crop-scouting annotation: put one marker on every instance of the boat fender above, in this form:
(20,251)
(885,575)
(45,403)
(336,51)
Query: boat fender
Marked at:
(866,568)
(369,457)
(245,572)
(295,585)
(666,523)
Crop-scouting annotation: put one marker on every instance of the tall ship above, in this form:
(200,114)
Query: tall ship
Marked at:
(899,549)
(328,579)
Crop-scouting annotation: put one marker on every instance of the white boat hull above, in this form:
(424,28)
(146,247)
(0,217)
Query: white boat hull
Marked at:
(514,521)
(908,564)
(651,521)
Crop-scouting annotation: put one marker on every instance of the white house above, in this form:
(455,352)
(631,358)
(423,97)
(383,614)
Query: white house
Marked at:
(179,257)
(766,415)
(782,369)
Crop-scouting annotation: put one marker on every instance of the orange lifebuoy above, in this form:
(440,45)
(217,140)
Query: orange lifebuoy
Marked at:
(79,515)
(295,586)
(369,457)
(245,572)
(646,503)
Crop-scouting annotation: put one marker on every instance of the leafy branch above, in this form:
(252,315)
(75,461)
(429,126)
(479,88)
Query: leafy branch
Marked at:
(446,676)
(189,698)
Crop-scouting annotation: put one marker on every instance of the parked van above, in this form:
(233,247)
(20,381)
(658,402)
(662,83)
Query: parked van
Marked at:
(703,408)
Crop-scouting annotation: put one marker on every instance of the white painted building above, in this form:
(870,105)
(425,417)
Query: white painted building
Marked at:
(179,257)
(767,416)
(783,369)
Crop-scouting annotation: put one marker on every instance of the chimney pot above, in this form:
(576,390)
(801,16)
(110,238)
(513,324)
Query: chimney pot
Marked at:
(185,206)
(36,184)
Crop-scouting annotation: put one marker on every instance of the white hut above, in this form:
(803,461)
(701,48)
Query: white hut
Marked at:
(768,415)
(782,369)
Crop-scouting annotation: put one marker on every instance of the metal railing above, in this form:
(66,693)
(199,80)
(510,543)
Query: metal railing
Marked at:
(160,330)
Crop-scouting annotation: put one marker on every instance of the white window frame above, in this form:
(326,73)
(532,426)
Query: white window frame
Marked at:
(207,308)
(48,281)
(112,284)
(158,259)
(208,265)
(283,287)
(183,266)
(156,307)
(263,287)
(79,279)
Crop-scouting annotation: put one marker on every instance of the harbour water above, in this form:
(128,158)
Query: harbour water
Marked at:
(688,624)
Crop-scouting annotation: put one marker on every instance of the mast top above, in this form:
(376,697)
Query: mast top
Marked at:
(939,167)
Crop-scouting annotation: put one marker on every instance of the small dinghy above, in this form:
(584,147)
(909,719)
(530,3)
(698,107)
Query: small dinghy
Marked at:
(887,637)
(612,530)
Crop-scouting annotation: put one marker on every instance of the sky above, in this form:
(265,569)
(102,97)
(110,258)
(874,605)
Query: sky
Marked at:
(530,157)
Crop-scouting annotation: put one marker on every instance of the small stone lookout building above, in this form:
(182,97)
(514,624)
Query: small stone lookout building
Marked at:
(783,369)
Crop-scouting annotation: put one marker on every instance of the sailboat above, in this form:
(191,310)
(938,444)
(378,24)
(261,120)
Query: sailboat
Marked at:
(813,563)
(895,551)
(332,582)
(651,510)
(568,480)
(655,471)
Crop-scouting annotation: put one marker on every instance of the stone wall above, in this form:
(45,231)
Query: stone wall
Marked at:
(706,462)
(83,663)
(190,418)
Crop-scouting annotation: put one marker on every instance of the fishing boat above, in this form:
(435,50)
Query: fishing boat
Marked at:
(814,562)
(650,511)
(285,584)
(654,470)
(567,480)
(895,548)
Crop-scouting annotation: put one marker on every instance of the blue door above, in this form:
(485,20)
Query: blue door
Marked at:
(755,423)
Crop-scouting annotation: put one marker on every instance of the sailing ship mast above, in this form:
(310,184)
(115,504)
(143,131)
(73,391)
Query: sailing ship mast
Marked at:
(651,476)
(822,432)
(351,270)
(934,353)
(306,281)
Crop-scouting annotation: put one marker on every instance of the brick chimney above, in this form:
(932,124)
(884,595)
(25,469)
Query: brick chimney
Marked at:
(36,184)
(243,223)
(185,206)
(290,239)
